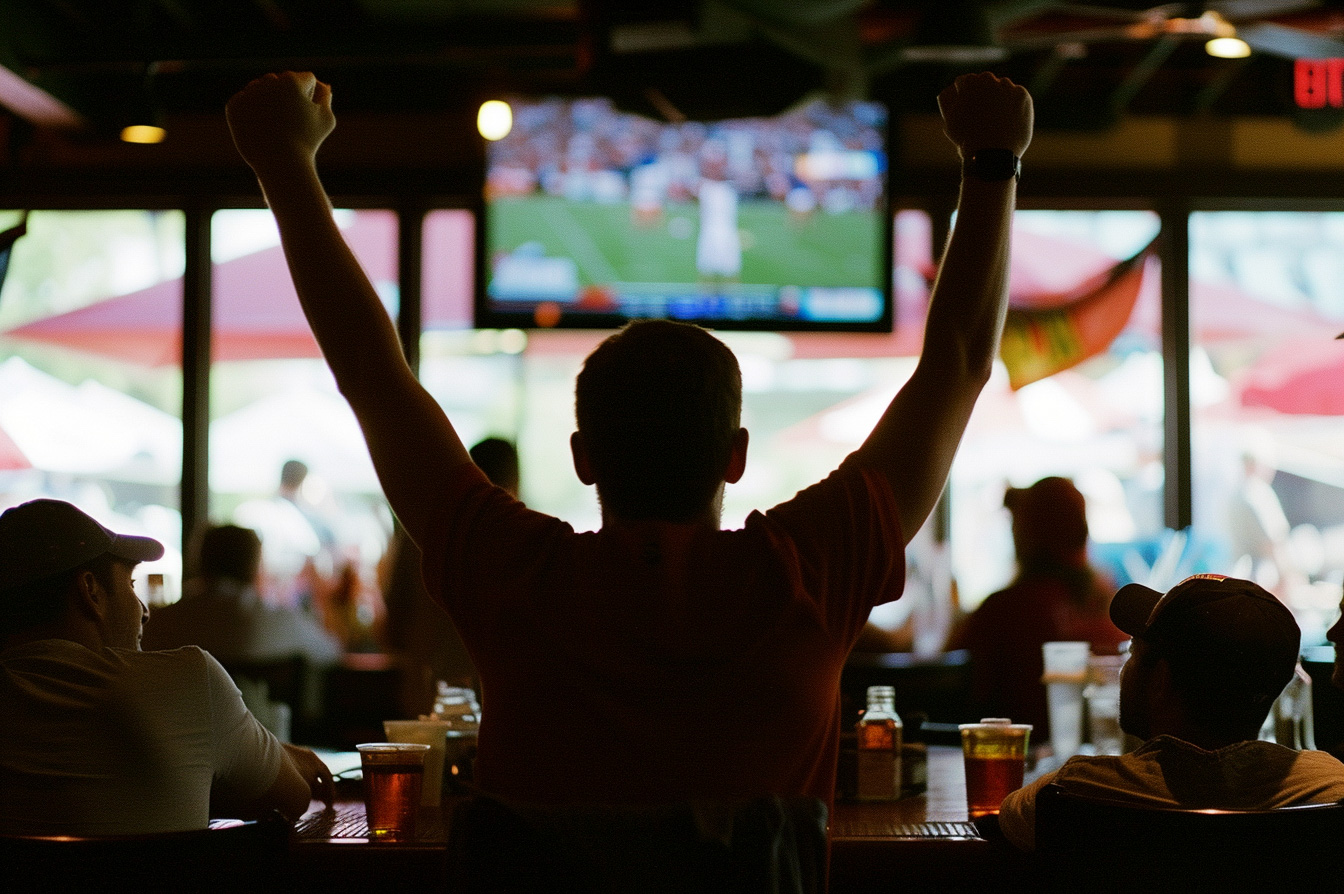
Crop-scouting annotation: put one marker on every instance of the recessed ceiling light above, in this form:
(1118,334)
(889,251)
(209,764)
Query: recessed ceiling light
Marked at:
(1228,48)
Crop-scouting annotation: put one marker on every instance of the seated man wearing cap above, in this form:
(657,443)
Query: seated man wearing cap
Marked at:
(101,738)
(1208,659)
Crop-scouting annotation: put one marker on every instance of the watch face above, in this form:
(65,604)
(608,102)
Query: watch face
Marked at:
(993,164)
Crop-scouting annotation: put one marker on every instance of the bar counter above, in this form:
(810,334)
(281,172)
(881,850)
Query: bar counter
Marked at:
(875,846)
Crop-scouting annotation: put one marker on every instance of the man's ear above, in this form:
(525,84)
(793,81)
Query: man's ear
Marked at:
(582,468)
(737,459)
(90,597)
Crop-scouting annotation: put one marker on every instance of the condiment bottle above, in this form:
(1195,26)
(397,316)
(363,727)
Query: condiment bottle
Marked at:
(879,753)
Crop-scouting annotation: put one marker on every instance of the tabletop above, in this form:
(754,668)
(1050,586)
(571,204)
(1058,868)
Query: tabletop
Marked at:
(923,840)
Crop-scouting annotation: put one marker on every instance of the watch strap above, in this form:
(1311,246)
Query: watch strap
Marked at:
(992,165)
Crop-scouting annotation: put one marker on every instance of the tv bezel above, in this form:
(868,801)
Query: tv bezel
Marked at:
(486,316)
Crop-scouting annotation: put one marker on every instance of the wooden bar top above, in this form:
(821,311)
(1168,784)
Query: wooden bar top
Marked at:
(875,846)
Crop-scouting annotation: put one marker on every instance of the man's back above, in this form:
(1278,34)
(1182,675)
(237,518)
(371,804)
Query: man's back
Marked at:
(664,663)
(1168,772)
(122,742)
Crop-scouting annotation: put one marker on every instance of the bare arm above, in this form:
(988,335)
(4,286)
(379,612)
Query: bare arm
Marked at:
(915,440)
(278,122)
(302,777)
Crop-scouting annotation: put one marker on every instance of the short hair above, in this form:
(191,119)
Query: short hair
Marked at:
(41,601)
(293,472)
(498,459)
(658,405)
(231,552)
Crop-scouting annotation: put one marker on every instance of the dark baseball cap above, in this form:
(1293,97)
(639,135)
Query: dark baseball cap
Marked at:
(1231,625)
(41,538)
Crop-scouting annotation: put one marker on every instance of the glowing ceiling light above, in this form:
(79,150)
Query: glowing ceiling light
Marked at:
(143,133)
(1228,48)
(494,120)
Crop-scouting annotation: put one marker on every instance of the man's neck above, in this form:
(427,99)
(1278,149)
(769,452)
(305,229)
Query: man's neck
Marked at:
(711,518)
(612,523)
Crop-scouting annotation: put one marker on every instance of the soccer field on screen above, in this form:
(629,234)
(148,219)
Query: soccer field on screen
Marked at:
(609,246)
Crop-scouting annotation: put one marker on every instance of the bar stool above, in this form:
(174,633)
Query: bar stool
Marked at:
(1098,845)
(250,857)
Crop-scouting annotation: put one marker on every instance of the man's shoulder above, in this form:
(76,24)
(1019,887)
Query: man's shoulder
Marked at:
(851,483)
(178,657)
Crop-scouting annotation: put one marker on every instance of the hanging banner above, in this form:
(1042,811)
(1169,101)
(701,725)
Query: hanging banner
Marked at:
(7,240)
(1038,343)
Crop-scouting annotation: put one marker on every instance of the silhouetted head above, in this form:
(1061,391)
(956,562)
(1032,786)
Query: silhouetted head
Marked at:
(1049,521)
(1228,647)
(292,474)
(498,459)
(47,548)
(232,552)
(659,407)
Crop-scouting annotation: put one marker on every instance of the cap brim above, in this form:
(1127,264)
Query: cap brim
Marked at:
(1132,607)
(135,549)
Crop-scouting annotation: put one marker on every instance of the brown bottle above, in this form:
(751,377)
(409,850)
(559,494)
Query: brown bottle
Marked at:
(879,753)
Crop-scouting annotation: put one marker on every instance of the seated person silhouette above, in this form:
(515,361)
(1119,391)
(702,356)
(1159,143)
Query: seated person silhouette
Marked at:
(102,738)
(1057,595)
(222,612)
(1208,659)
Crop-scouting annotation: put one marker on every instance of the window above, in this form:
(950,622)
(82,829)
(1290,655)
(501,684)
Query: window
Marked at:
(1266,300)
(274,406)
(1098,422)
(90,375)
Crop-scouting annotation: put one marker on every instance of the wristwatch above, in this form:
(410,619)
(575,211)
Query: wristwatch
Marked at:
(992,165)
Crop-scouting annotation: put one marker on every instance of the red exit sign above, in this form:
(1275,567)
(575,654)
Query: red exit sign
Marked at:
(1319,83)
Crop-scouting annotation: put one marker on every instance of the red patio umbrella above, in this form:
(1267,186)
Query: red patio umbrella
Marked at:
(11,457)
(1301,377)
(256,312)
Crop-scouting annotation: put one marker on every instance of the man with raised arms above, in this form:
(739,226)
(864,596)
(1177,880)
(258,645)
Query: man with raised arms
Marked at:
(659,659)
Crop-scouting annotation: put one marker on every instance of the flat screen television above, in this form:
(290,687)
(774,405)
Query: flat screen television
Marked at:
(593,217)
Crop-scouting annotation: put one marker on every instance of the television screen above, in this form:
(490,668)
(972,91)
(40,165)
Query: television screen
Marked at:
(594,217)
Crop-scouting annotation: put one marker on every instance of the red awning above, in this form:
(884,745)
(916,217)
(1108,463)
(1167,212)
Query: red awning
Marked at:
(11,457)
(1301,377)
(256,311)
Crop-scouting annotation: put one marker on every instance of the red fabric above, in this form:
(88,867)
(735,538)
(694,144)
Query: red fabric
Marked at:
(1039,342)
(1300,376)
(11,457)
(707,667)
(1005,634)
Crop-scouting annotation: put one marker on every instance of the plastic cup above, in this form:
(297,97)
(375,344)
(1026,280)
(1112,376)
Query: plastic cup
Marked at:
(995,753)
(1065,676)
(1103,703)
(394,776)
(424,732)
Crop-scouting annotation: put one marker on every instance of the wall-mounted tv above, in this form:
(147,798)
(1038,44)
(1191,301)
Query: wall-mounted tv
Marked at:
(593,217)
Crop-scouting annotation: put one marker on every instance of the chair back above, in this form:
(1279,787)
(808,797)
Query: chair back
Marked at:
(284,677)
(1093,844)
(770,845)
(250,857)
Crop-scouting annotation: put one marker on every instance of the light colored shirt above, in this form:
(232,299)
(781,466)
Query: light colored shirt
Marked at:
(1169,772)
(122,742)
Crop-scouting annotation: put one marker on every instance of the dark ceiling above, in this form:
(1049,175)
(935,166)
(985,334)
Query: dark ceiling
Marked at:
(105,60)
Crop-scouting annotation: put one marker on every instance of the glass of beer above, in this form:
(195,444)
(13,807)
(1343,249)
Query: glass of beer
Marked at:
(995,751)
(394,778)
